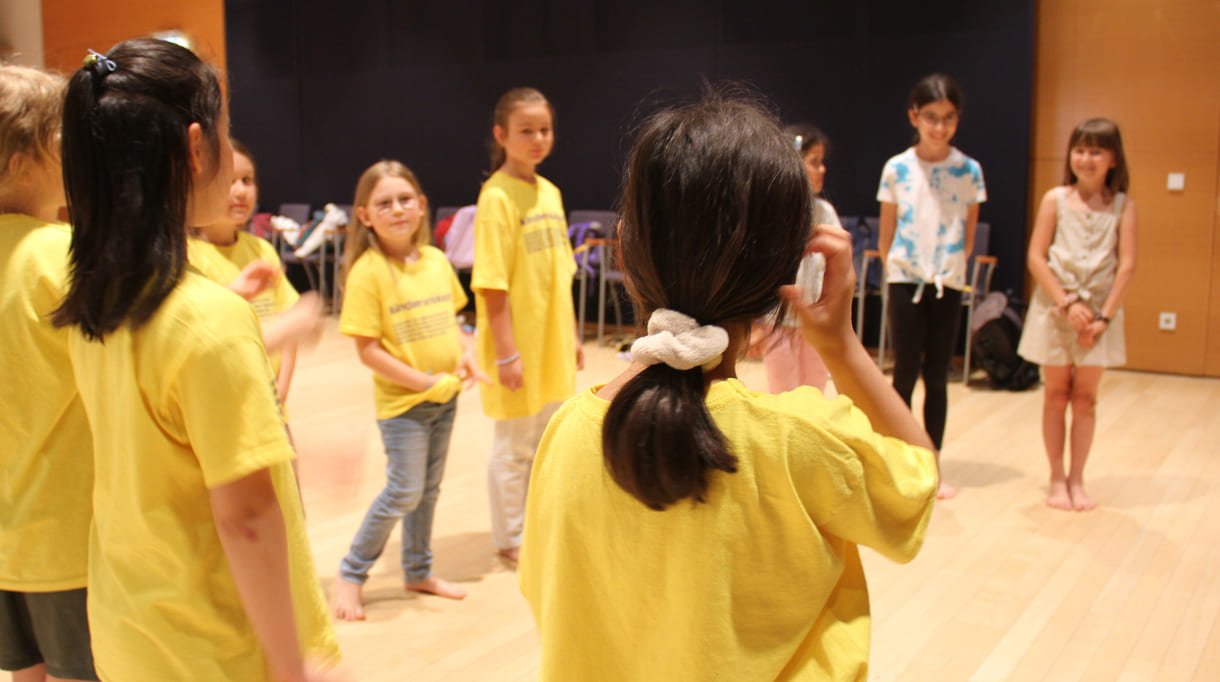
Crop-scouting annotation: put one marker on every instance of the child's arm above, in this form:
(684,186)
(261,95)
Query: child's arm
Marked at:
(1126,266)
(889,225)
(251,530)
(288,363)
(972,223)
(1040,245)
(378,359)
(500,318)
(301,322)
(826,325)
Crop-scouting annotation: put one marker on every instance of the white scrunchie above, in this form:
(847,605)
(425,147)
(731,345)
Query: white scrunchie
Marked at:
(678,341)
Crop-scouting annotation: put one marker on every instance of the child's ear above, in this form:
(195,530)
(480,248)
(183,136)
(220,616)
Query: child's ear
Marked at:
(362,214)
(499,134)
(913,114)
(18,164)
(194,136)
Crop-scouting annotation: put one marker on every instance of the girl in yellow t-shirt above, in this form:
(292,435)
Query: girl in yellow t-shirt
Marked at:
(522,282)
(400,304)
(681,526)
(45,448)
(199,564)
(223,249)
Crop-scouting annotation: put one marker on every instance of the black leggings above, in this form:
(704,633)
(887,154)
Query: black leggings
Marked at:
(924,336)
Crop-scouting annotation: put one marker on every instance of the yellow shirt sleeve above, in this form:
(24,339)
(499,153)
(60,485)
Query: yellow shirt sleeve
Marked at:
(495,234)
(226,393)
(361,314)
(866,488)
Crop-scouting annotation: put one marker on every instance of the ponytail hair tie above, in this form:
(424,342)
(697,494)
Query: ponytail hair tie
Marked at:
(101,65)
(679,341)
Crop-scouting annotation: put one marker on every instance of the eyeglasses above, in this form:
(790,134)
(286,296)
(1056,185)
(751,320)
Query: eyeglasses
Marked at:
(933,120)
(386,206)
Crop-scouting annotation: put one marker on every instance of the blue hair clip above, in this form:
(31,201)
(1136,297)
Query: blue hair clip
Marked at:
(100,63)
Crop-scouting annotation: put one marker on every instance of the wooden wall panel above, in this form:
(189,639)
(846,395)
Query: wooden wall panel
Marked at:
(1153,67)
(71,27)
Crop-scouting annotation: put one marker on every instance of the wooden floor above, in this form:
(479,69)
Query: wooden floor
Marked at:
(1005,588)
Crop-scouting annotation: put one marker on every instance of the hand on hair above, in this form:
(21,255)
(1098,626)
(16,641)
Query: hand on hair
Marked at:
(826,322)
(254,279)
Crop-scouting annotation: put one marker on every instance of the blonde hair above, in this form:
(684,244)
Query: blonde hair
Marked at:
(360,237)
(31,113)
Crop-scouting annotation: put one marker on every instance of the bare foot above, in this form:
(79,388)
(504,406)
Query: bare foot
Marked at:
(1058,497)
(348,602)
(511,555)
(441,588)
(945,491)
(1080,501)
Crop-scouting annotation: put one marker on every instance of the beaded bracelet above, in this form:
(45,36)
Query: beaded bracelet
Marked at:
(505,361)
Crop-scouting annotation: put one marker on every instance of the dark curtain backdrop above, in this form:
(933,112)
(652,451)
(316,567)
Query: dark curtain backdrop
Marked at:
(321,89)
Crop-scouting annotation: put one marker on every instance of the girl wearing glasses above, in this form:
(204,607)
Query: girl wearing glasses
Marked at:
(400,305)
(930,196)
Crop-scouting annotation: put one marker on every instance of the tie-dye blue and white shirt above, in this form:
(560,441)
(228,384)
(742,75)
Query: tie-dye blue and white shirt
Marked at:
(933,200)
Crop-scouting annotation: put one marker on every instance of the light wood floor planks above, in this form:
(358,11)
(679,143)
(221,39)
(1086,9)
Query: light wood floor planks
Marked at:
(1005,588)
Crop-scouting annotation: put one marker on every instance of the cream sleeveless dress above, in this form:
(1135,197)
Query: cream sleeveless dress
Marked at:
(1084,258)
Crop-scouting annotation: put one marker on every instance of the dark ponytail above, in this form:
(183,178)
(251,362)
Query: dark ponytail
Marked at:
(716,210)
(128,178)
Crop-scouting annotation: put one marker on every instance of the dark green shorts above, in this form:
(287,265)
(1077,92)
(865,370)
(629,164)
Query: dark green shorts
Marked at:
(46,627)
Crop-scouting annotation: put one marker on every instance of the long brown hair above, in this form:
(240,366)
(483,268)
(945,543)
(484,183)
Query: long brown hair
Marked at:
(360,237)
(716,210)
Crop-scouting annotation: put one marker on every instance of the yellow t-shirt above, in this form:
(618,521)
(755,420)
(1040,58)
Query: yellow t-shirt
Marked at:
(184,404)
(222,264)
(761,582)
(46,454)
(522,247)
(412,308)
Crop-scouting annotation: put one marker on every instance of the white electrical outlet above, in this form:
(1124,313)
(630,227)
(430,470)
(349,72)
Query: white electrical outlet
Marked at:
(1177,182)
(1168,322)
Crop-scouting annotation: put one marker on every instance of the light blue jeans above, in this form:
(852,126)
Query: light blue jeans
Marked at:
(416,446)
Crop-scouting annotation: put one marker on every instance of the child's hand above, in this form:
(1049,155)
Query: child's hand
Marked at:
(254,279)
(470,372)
(1080,316)
(512,374)
(443,388)
(826,323)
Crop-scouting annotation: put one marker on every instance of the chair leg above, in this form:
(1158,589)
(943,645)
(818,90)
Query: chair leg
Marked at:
(601,305)
(885,303)
(580,316)
(969,331)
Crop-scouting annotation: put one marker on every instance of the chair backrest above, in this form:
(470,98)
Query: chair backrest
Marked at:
(298,212)
(459,240)
(608,219)
(982,240)
(443,212)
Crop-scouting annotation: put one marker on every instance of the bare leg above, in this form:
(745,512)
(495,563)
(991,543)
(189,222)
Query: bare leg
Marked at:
(439,587)
(34,673)
(1056,392)
(349,600)
(1084,413)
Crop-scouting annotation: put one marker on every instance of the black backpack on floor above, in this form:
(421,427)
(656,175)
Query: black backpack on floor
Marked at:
(996,332)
